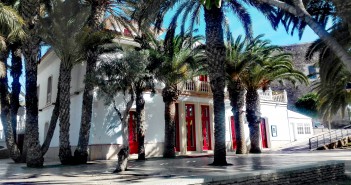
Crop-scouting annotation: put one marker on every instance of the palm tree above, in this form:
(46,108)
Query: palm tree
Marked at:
(30,47)
(95,20)
(297,8)
(333,75)
(61,29)
(119,11)
(173,63)
(143,82)
(12,32)
(270,64)
(239,57)
(215,49)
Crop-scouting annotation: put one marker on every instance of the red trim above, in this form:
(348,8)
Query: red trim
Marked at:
(133,139)
(177,127)
(232,124)
(264,133)
(190,125)
(206,129)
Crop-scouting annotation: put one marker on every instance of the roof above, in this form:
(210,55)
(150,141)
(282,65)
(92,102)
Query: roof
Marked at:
(292,114)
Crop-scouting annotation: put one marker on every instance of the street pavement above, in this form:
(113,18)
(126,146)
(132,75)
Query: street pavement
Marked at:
(182,170)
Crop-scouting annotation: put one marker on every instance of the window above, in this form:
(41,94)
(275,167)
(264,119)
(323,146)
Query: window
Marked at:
(307,128)
(312,72)
(300,128)
(303,128)
(49,90)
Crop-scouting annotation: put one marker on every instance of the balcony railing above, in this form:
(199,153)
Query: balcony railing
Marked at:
(192,86)
(274,96)
(201,87)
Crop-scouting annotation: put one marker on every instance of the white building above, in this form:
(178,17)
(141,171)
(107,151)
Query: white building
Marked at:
(194,109)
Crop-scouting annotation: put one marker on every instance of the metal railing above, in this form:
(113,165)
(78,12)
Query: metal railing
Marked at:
(327,138)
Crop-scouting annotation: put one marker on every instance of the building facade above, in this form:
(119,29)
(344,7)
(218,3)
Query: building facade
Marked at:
(194,131)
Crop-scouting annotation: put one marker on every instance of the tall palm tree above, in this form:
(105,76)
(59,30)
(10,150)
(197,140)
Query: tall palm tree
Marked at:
(61,29)
(238,58)
(270,64)
(120,14)
(11,33)
(95,20)
(30,47)
(173,63)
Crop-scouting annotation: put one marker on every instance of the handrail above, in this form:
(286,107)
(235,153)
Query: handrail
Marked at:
(327,138)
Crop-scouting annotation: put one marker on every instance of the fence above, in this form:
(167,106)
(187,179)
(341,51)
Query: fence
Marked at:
(327,138)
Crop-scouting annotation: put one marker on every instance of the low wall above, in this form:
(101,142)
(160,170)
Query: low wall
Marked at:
(307,174)
(106,151)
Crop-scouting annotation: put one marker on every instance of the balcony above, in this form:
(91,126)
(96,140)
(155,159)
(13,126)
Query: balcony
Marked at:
(274,96)
(195,87)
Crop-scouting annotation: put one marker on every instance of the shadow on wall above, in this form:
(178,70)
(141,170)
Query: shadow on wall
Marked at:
(154,150)
(112,123)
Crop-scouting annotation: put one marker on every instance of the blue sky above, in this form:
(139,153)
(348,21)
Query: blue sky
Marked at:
(260,26)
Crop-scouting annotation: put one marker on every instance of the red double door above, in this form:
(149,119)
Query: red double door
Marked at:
(263,133)
(191,126)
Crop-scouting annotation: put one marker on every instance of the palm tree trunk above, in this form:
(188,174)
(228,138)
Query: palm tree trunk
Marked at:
(16,71)
(53,121)
(300,11)
(65,152)
(81,153)
(215,51)
(15,153)
(95,20)
(253,116)
(140,116)
(237,101)
(170,96)
(30,46)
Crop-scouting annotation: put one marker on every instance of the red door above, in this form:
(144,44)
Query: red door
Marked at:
(133,137)
(206,129)
(190,125)
(177,128)
(203,78)
(232,124)
(264,133)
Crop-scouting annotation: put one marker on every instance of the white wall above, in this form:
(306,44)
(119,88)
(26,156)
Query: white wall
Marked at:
(295,119)
(276,114)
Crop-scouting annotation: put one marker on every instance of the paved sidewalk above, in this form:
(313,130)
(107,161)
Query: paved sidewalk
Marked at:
(162,171)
